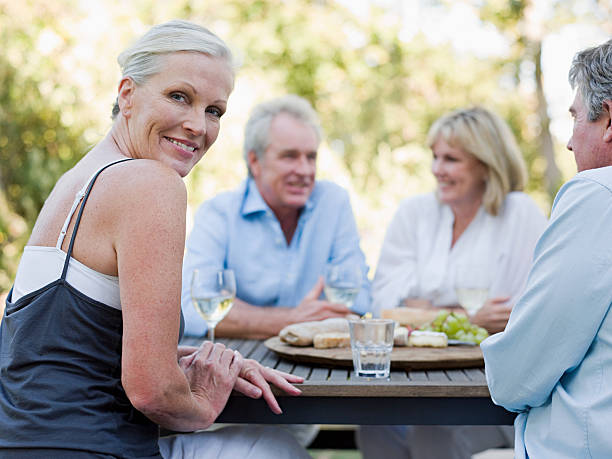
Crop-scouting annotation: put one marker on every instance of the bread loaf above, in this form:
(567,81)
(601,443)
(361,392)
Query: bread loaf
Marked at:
(331,339)
(427,339)
(302,334)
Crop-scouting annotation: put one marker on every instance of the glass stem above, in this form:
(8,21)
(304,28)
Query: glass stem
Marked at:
(211,333)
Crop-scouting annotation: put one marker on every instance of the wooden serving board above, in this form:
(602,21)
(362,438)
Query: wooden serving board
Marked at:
(417,358)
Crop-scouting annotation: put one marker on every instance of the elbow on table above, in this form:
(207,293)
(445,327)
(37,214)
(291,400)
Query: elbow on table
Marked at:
(510,397)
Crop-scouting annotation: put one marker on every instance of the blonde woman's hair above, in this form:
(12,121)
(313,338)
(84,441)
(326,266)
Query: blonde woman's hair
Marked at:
(485,135)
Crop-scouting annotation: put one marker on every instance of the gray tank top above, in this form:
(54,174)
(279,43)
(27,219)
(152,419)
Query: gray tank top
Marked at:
(60,375)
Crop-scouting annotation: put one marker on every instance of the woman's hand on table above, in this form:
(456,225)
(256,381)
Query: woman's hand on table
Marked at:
(493,315)
(212,371)
(254,378)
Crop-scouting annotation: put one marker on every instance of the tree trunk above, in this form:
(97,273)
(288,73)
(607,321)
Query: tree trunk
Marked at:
(552,174)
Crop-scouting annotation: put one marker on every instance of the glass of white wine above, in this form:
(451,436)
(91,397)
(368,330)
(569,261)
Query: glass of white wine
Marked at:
(342,283)
(212,294)
(472,286)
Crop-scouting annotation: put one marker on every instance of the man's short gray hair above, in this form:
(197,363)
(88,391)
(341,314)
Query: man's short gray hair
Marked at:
(591,75)
(257,129)
(143,58)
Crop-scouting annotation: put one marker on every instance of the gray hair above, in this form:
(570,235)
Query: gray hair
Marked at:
(143,58)
(257,128)
(591,74)
(486,136)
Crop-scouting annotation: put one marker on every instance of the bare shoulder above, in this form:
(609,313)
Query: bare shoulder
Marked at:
(144,184)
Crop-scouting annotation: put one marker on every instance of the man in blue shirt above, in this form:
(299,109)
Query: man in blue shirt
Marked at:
(277,231)
(553,362)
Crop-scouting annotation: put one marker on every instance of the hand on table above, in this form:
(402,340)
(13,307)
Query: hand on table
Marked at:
(312,308)
(254,378)
(493,315)
(212,371)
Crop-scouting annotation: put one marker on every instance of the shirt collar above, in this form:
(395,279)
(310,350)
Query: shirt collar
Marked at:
(253,202)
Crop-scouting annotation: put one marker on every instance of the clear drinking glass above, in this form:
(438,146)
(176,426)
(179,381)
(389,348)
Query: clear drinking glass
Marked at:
(371,346)
(342,283)
(212,294)
(472,282)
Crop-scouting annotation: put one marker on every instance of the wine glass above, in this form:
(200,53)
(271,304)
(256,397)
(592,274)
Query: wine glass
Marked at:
(342,283)
(212,294)
(472,282)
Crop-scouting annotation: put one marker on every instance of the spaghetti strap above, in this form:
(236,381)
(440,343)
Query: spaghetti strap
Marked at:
(75,204)
(81,195)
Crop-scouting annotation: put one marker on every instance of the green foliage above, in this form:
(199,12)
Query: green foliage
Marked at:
(36,147)
(376,93)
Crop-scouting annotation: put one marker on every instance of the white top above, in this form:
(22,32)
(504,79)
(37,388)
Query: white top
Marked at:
(40,266)
(417,260)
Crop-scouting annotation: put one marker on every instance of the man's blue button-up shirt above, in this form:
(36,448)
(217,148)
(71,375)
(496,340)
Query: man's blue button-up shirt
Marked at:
(237,230)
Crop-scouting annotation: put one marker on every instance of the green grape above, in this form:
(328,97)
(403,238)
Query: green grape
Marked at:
(440,318)
(457,326)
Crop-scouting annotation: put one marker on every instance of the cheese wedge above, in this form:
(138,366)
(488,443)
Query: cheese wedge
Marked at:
(427,339)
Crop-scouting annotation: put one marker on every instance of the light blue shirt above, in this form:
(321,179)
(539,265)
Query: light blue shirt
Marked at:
(553,362)
(237,230)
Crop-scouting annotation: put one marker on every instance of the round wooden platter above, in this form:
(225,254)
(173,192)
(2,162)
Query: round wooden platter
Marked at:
(417,358)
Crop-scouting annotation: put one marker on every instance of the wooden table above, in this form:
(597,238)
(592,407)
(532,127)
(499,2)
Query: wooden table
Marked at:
(337,396)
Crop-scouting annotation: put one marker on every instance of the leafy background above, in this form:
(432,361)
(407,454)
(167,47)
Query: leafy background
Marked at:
(376,87)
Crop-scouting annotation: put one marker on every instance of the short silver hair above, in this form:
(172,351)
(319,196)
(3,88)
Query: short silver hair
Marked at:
(591,74)
(257,129)
(143,58)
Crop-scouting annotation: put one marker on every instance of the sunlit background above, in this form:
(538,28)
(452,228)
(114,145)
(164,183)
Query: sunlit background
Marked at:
(378,72)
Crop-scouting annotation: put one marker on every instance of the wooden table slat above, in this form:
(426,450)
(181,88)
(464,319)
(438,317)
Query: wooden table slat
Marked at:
(438,376)
(247,347)
(302,370)
(270,359)
(457,376)
(398,375)
(259,352)
(339,374)
(319,374)
(286,366)
(418,375)
(476,375)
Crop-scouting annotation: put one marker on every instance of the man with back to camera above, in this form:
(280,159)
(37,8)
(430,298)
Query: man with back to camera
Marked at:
(277,230)
(553,362)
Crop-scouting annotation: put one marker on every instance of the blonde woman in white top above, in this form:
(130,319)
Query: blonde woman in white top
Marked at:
(477,214)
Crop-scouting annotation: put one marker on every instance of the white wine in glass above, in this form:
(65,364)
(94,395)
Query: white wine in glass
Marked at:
(472,286)
(342,283)
(212,294)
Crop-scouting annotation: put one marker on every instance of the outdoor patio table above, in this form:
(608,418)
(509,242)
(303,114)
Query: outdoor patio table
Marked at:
(337,396)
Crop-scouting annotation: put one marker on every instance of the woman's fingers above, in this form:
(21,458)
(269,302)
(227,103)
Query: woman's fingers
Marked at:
(245,387)
(253,372)
(280,380)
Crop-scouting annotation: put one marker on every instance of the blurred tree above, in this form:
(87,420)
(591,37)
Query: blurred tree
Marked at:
(376,94)
(37,143)
(526,23)
(377,91)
